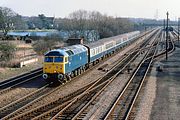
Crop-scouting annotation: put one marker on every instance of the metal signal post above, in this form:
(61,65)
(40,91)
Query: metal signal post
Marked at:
(164,25)
(167,29)
(178,29)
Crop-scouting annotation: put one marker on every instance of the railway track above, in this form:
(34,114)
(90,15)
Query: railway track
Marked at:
(24,100)
(81,114)
(8,89)
(83,98)
(15,81)
(89,93)
(124,102)
(13,86)
(51,105)
(18,111)
(171,48)
(123,106)
(40,109)
(27,106)
(11,108)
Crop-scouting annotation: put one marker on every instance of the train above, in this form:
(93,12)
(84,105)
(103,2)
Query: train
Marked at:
(65,63)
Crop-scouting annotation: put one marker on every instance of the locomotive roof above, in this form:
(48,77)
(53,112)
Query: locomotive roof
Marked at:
(56,52)
(67,51)
(75,49)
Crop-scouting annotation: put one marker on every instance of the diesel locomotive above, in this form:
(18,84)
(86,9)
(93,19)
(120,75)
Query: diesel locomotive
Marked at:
(64,63)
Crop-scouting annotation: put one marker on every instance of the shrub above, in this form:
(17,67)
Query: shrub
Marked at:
(41,46)
(7,51)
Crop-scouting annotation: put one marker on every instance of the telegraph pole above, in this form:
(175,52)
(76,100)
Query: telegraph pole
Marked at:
(145,32)
(164,28)
(178,30)
(167,35)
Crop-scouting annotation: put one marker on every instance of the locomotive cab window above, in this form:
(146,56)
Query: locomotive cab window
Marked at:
(48,59)
(58,59)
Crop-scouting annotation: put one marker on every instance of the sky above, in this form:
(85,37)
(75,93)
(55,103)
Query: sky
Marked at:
(118,8)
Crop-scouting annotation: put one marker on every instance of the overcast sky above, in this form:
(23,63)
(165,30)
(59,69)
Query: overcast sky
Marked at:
(119,8)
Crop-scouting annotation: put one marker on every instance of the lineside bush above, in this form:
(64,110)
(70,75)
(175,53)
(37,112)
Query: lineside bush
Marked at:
(7,51)
(42,46)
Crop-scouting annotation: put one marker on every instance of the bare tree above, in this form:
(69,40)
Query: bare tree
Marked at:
(19,23)
(88,24)
(78,21)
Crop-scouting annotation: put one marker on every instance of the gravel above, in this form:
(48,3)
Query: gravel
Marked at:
(105,99)
(20,91)
(162,94)
(148,98)
(100,108)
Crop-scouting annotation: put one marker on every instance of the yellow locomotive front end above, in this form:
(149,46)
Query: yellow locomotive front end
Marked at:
(54,66)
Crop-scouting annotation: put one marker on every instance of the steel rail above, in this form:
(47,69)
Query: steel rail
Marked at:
(19,83)
(141,84)
(14,80)
(22,101)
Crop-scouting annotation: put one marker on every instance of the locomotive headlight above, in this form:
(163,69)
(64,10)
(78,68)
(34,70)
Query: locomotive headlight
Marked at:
(60,76)
(45,76)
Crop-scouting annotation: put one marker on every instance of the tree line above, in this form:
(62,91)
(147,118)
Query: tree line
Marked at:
(10,20)
(77,24)
(87,23)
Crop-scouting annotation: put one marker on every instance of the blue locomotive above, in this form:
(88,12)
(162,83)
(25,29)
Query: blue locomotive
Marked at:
(65,63)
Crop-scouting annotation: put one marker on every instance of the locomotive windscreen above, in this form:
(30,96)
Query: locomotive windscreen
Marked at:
(58,59)
(48,59)
(53,59)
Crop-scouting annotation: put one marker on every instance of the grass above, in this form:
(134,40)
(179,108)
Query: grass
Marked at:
(6,73)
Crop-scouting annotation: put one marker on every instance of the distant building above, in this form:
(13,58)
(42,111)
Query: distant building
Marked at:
(74,41)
